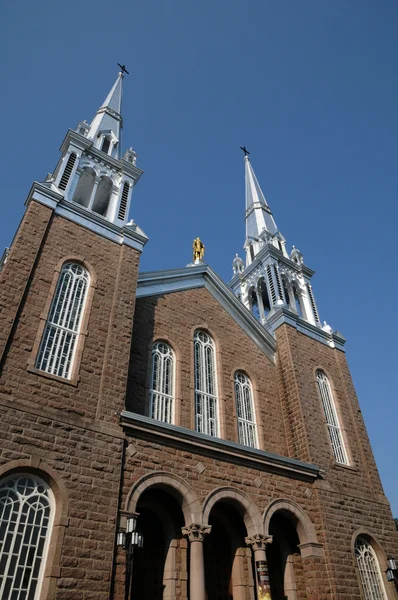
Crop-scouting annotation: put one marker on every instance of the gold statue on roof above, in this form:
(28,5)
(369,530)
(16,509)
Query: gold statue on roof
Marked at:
(198,249)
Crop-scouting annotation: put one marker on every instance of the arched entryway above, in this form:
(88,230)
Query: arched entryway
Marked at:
(284,559)
(228,564)
(295,558)
(159,563)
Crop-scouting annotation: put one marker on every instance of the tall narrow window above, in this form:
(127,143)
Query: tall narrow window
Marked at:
(58,345)
(245,410)
(332,421)
(123,201)
(369,571)
(26,514)
(162,383)
(106,144)
(67,171)
(206,405)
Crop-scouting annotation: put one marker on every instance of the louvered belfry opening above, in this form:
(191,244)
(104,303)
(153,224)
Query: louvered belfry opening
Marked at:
(67,171)
(123,201)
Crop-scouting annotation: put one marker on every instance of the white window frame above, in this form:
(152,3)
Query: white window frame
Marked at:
(162,391)
(17,494)
(247,428)
(332,419)
(60,337)
(369,570)
(206,394)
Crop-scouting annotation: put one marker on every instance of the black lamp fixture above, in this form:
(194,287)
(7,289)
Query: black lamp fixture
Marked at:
(129,539)
(391,571)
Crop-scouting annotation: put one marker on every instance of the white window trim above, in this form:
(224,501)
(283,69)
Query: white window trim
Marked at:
(246,423)
(163,397)
(369,578)
(332,420)
(43,560)
(203,396)
(49,364)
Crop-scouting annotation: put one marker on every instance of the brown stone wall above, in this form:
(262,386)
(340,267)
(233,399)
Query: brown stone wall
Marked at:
(174,318)
(87,460)
(67,431)
(105,354)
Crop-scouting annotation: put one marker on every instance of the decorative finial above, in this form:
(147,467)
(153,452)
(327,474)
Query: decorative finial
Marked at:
(246,152)
(198,250)
(123,69)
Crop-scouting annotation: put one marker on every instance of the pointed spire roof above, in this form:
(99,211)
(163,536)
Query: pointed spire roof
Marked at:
(258,213)
(108,117)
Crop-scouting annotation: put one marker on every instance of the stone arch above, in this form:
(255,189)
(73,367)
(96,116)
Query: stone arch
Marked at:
(103,195)
(85,186)
(36,466)
(381,557)
(173,484)
(309,544)
(245,506)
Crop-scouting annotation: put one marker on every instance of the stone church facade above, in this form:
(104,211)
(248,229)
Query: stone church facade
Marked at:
(215,425)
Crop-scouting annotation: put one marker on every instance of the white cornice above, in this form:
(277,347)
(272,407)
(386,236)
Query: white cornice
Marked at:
(225,450)
(130,234)
(166,282)
(283,315)
(86,145)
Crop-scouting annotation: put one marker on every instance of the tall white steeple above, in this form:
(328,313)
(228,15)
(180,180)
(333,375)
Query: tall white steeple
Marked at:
(107,123)
(273,285)
(92,182)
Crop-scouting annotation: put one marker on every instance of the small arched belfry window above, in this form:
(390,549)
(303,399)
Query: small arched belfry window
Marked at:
(245,410)
(26,515)
(332,421)
(369,571)
(206,403)
(162,383)
(61,333)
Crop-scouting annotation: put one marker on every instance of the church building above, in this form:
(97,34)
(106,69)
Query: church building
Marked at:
(167,435)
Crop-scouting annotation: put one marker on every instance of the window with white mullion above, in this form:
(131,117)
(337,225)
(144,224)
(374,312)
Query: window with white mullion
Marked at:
(369,571)
(247,430)
(25,522)
(162,383)
(332,420)
(60,335)
(206,402)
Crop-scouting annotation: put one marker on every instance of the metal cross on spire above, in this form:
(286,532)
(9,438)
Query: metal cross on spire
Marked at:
(123,68)
(245,150)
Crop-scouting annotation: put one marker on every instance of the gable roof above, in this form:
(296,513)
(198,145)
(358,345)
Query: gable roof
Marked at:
(155,283)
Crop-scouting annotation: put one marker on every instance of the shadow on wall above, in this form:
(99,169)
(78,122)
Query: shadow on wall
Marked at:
(140,355)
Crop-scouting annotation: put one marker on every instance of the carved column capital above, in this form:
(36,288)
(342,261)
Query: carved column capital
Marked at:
(258,541)
(196,532)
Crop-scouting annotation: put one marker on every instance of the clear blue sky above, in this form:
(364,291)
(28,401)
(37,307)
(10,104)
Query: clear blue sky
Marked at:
(309,87)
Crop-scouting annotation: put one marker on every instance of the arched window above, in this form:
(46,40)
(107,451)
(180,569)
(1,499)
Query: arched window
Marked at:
(369,571)
(58,345)
(84,187)
(162,383)
(245,410)
(106,144)
(332,421)
(26,515)
(206,405)
(102,196)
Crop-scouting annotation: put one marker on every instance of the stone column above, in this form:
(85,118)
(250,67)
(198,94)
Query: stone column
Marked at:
(260,303)
(196,534)
(292,299)
(93,193)
(258,543)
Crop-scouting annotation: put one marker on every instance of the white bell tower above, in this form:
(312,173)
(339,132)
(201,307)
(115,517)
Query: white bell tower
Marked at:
(273,284)
(91,172)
